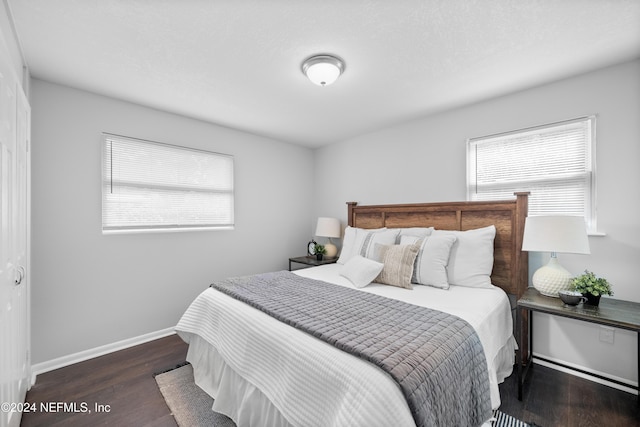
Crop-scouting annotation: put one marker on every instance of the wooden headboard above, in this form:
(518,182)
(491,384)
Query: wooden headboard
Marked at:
(510,265)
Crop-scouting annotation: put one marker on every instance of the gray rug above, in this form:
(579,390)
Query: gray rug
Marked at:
(191,407)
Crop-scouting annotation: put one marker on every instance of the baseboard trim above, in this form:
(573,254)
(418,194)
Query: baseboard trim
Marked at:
(588,374)
(61,362)
(559,365)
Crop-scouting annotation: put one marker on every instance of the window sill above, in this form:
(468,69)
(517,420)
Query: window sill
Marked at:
(166,230)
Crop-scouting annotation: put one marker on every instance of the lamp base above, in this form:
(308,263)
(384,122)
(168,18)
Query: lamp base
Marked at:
(331,249)
(551,278)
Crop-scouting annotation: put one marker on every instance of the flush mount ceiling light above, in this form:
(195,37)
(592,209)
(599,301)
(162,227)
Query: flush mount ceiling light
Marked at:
(323,69)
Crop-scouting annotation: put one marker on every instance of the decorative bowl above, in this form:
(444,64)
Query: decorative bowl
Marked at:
(571,297)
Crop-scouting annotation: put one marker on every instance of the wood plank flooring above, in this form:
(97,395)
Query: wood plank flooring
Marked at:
(124,381)
(553,398)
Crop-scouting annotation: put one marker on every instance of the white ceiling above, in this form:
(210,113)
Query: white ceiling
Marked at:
(237,63)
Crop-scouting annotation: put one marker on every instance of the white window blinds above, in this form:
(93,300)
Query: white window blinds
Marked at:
(553,162)
(153,186)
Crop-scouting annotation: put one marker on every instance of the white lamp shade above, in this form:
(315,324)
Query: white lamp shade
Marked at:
(560,234)
(328,227)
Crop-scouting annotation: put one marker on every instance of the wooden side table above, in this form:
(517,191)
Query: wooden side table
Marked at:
(610,312)
(311,261)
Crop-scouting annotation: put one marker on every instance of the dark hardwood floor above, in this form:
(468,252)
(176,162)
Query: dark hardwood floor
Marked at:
(124,381)
(555,399)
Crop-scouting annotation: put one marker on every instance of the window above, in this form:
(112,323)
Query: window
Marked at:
(553,162)
(153,186)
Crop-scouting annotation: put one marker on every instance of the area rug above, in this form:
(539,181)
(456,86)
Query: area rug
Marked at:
(503,420)
(191,407)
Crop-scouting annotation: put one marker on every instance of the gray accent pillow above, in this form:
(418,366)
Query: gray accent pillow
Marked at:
(398,264)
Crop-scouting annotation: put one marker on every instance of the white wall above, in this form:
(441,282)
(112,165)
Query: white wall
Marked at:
(11,42)
(425,161)
(91,290)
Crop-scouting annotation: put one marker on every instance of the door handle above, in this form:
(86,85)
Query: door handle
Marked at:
(20,273)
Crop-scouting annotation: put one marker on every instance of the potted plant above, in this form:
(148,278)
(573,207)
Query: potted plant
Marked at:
(320,250)
(591,287)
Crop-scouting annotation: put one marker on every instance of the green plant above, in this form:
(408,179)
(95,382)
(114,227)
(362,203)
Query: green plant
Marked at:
(320,249)
(588,283)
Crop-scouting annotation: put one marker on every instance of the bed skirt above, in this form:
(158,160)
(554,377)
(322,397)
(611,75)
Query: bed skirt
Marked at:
(245,404)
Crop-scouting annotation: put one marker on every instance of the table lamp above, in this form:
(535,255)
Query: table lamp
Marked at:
(555,234)
(329,227)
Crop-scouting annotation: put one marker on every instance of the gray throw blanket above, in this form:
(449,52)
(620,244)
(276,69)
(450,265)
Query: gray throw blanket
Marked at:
(436,358)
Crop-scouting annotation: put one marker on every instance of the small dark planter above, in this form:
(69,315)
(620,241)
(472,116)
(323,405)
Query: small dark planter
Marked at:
(319,257)
(592,299)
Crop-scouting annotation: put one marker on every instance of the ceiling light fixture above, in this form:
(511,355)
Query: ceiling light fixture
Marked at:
(323,69)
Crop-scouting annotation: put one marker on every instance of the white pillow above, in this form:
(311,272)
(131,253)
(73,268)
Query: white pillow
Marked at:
(348,242)
(471,257)
(369,240)
(362,241)
(430,267)
(361,271)
(420,232)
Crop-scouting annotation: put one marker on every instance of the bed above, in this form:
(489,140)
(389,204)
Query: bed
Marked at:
(264,372)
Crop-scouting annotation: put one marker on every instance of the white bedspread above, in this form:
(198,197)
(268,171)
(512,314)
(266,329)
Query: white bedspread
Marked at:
(311,383)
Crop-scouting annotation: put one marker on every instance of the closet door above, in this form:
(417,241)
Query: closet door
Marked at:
(21,298)
(14,223)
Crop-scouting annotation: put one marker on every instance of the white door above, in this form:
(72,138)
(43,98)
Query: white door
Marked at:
(21,379)
(14,223)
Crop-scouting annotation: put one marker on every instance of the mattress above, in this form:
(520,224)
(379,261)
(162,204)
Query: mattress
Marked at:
(262,372)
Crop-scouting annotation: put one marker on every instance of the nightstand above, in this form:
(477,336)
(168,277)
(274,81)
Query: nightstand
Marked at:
(311,261)
(611,312)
